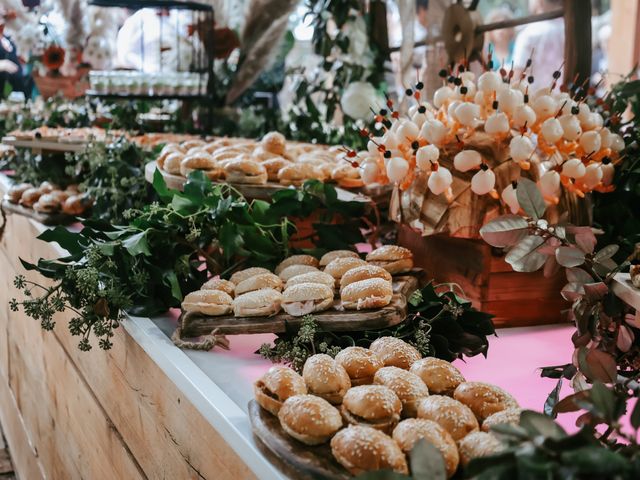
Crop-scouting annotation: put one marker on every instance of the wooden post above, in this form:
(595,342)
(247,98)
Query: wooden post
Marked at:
(624,44)
(577,40)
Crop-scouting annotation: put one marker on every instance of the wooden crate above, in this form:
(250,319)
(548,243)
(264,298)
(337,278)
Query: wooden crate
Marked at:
(516,299)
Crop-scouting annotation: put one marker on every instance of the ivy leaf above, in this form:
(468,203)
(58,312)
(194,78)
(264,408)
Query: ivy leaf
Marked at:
(160,186)
(70,241)
(524,257)
(504,231)
(427,462)
(569,256)
(171,280)
(137,244)
(530,198)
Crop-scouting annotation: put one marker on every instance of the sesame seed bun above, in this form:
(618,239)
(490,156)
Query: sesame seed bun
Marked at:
(371,293)
(338,267)
(242,275)
(275,386)
(484,399)
(242,170)
(409,388)
(305,298)
(208,302)
(509,416)
(293,270)
(259,303)
(273,166)
(440,376)
(274,142)
(360,363)
(455,417)
(392,258)
(309,419)
(364,272)
(373,406)
(296,260)
(312,277)
(219,284)
(326,378)
(328,257)
(394,352)
(297,173)
(257,282)
(478,444)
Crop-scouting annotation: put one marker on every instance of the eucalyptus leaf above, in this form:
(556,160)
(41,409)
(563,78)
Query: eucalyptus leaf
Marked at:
(505,231)
(530,198)
(552,400)
(539,424)
(524,257)
(606,253)
(137,244)
(569,257)
(427,462)
(578,275)
(595,461)
(72,242)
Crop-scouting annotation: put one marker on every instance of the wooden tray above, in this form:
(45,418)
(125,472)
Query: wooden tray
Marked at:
(43,145)
(260,192)
(48,219)
(195,324)
(308,462)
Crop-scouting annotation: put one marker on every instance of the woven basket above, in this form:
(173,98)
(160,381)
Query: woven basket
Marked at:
(69,87)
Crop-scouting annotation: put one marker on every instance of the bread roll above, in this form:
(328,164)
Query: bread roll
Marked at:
(326,378)
(362,449)
(245,171)
(478,444)
(296,260)
(274,142)
(309,419)
(275,386)
(257,282)
(305,298)
(15,192)
(441,377)
(273,167)
(242,275)
(452,415)
(77,204)
(312,277)
(219,284)
(372,406)
(329,257)
(293,270)
(189,144)
(47,203)
(371,293)
(346,176)
(409,431)
(168,149)
(338,267)
(409,388)
(172,163)
(259,303)
(394,352)
(200,161)
(484,399)
(360,363)
(297,173)
(509,416)
(30,196)
(392,258)
(208,302)
(365,272)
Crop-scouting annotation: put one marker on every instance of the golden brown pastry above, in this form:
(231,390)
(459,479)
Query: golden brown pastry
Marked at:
(298,173)
(478,444)
(409,431)
(274,142)
(394,352)
(409,388)
(259,154)
(208,302)
(329,257)
(484,399)
(455,417)
(360,363)
(242,275)
(259,303)
(371,293)
(200,161)
(293,270)
(312,277)
(346,176)
(509,416)
(225,286)
(362,449)
(309,419)
(326,378)
(245,172)
(30,196)
(60,195)
(15,192)
(167,150)
(77,204)
(364,272)
(275,386)
(257,282)
(392,258)
(441,377)
(188,144)
(273,167)
(338,267)
(172,162)
(296,260)
(305,298)
(47,203)
(372,406)
(48,187)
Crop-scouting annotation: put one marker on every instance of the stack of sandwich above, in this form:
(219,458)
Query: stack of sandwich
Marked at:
(375,404)
(303,284)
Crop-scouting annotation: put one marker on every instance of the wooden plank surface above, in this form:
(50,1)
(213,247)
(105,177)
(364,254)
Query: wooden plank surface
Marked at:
(44,218)
(46,145)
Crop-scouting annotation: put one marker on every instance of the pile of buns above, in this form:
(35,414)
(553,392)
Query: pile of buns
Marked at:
(272,159)
(65,135)
(303,284)
(49,198)
(375,404)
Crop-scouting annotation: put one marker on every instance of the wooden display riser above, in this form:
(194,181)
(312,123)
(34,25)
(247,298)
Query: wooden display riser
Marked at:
(516,299)
(69,414)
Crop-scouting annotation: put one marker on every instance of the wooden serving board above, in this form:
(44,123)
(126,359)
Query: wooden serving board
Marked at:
(260,192)
(308,462)
(48,219)
(335,320)
(46,145)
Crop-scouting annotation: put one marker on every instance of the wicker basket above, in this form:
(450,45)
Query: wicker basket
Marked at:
(69,87)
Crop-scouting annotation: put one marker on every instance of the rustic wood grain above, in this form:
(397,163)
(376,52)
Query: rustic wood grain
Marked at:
(577,43)
(309,462)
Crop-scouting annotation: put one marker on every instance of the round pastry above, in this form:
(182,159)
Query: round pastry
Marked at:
(326,378)
(208,302)
(329,257)
(478,444)
(48,187)
(347,176)
(455,417)
(409,388)
(167,150)
(274,142)
(60,195)
(15,192)
(172,163)
(312,277)
(77,204)
(200,161)
(304,298)
(189,144)
(371,293)
(47,203)
(242,275)
(372,406)
(196,151)
(259,303)
(364,272)
(220,284)
(338,267)
(30,196)
(259,154)
(392,258)
(394,352)
(362,449)
(509,416)
(246,172)
(273,167)
(297,173)
(296,260)
(360,363)
(441,377)
(484,399)
(227,154)
(410,431)
(309,419)
(275,386)
(293,270)
(257,282)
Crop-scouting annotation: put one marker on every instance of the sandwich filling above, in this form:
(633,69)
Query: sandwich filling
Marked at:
(298,309)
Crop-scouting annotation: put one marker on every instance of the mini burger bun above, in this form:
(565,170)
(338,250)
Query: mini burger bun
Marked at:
(509,416)
(257,282)
(452,415)
(371,293)
(478,444)
(394,352)
(294,270)
(372,405)
(208,302)
(305,298)
(225,286)
(242,275)
(246,171)
(296,260)
(360,363)
(364,272)
(341,265)
(312,277)
(259,303)
(441,377)
(409,388)
(392,258)
(309,419)
(326,378)
(328,257)
(275,386)
(484,399)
